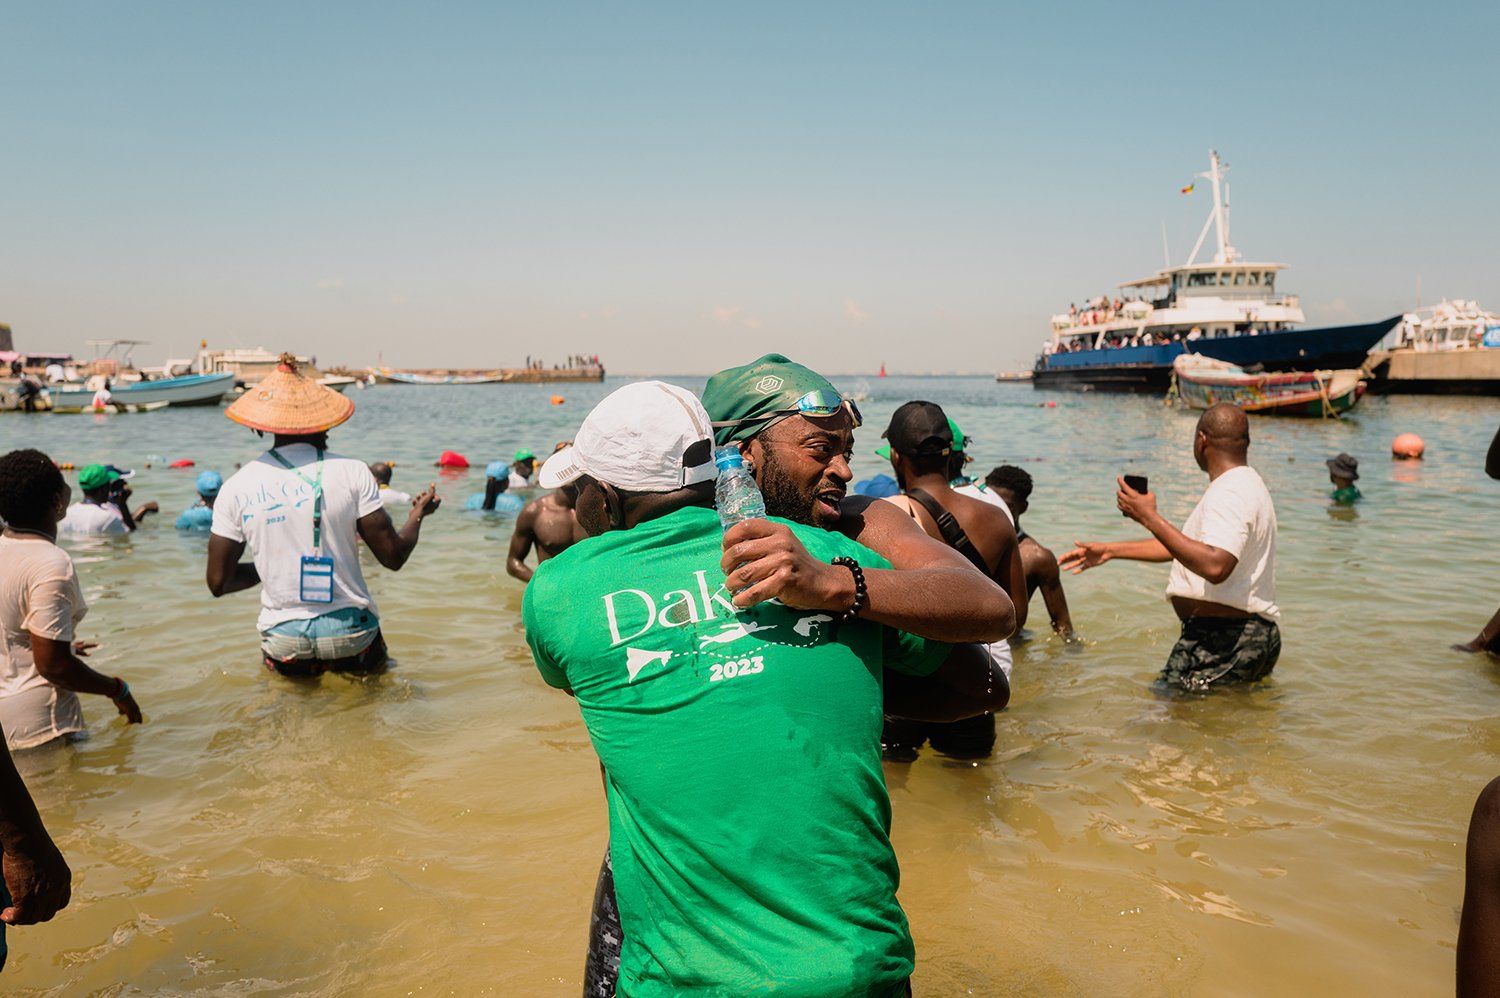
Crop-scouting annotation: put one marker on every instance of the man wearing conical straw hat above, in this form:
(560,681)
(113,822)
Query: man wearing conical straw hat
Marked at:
(302,510)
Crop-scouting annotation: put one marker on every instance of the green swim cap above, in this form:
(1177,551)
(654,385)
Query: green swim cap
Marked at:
(769,384)
(524,455)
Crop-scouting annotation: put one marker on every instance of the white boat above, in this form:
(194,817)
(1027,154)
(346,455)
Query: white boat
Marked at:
(1228,308)
(1451,348)
(249,367)
(194,389)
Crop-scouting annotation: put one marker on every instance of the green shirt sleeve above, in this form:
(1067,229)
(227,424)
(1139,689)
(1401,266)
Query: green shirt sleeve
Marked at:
(533,609)
(900,651)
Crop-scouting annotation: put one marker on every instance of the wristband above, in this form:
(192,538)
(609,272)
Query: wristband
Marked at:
(124,690)
(861,594)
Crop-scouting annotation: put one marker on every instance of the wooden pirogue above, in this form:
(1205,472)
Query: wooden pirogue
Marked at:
(1199,382)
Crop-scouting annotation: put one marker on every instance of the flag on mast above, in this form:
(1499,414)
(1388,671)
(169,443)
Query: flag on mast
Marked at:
(1188,189)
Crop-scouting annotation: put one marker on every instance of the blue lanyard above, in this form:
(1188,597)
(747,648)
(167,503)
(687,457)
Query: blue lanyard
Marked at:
(317,487)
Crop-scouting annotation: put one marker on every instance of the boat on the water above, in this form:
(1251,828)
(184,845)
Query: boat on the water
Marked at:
(192,389)
(1013,376)
(1200,382)
(1451,348)
(1228,309)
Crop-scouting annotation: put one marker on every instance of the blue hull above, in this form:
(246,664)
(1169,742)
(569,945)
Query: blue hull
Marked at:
(192,389)
(1150,368)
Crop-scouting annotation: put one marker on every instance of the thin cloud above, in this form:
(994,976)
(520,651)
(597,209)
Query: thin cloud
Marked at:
(329,283)
(853,311)
(733,315)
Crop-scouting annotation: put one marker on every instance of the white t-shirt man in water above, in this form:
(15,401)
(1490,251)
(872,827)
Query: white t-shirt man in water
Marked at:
(301,511)
(1223,579)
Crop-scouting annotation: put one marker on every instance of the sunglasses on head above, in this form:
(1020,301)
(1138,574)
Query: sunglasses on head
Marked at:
(818,404)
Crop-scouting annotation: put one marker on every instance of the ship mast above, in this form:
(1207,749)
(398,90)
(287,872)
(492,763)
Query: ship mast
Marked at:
(1219,218)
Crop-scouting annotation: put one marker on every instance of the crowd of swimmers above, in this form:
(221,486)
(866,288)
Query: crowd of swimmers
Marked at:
(740,686)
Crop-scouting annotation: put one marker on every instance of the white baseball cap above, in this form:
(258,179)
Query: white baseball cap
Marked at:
(648,436)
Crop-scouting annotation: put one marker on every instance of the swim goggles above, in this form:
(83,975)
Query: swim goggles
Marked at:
(818,404)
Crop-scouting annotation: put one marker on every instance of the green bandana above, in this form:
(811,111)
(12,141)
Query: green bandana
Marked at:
(770,384)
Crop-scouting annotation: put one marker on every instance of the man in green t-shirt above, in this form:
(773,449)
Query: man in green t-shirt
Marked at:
(741,745)
(796,432)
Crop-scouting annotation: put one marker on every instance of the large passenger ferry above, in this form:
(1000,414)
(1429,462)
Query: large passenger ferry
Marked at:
(1230,309)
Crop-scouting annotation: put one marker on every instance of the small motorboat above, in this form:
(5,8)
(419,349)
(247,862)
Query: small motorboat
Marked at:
(1200,382)
(193,389)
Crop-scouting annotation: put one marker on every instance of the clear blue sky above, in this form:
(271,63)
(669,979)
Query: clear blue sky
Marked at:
(682,186)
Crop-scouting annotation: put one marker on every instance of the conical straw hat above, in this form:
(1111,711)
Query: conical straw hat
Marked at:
(288,402)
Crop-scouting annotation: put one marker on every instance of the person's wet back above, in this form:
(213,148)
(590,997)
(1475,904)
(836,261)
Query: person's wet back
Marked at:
(726,884)
(301,511)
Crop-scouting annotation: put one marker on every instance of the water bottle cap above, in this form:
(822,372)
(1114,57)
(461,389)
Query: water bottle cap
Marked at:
(729,457)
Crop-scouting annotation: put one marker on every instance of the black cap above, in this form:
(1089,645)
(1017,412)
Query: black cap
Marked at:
(1345,466)
(919,428)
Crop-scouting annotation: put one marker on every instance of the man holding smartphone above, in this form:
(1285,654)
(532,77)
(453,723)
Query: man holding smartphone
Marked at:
(1223,581)
(105,507)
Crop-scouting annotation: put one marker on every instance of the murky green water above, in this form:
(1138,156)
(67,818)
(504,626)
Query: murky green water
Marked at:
(437,831)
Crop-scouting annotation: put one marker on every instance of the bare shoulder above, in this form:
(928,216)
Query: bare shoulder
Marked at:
(864,517)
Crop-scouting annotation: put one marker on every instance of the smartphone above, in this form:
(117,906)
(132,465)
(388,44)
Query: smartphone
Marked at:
(1137,482)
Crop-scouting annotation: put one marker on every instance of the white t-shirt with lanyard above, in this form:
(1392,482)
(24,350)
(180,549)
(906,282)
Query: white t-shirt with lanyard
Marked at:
(270,506)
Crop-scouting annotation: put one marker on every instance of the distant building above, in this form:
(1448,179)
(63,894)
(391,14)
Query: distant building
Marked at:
(5,341)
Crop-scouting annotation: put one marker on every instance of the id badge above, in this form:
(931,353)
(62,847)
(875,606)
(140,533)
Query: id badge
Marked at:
(317,579)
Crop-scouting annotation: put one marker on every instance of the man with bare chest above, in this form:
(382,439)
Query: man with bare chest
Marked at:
(547,523)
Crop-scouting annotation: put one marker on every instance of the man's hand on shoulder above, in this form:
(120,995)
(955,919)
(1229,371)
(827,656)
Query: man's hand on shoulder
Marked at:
(764,560)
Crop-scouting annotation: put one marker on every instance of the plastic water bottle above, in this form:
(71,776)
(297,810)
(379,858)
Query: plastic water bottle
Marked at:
(735,493)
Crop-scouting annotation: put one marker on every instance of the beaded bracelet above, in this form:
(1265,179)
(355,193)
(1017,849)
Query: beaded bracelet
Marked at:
(861,594)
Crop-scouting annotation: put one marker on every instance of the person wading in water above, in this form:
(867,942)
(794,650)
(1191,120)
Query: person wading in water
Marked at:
(550,524)
(1223,581)
(921,442)
(302,512)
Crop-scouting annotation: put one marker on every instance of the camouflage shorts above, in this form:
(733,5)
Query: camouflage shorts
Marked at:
(1215,651)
